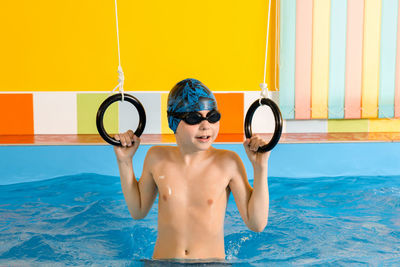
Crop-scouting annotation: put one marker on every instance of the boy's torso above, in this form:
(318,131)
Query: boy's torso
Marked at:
(192,204)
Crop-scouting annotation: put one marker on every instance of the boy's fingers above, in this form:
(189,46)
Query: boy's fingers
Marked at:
(134,139)
(131,134)
(123,140)
(128,141)
(253,145)
(260,142)
(256,147)
(256,142)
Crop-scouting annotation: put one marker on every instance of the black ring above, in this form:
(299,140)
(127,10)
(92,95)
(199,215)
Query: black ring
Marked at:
(102,109)
(278,123)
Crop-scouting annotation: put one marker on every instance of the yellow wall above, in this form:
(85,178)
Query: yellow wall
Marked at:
(72,46)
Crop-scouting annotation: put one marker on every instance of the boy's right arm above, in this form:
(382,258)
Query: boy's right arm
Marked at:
(139,196)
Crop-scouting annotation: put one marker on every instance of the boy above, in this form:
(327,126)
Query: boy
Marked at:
(193,179)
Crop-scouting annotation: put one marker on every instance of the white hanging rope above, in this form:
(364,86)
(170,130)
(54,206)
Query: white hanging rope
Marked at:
(264,86)
(121,77)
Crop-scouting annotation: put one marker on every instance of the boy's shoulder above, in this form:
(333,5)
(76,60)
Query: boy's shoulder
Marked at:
(224,152)
(227,157)
(160,150)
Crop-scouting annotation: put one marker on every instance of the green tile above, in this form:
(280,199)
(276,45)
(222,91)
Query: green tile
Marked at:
(347,126)
(87,107)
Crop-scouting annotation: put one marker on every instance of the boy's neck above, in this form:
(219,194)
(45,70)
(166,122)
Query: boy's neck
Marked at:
(192,157)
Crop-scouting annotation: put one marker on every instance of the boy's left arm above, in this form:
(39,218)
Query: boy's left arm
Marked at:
(253,203)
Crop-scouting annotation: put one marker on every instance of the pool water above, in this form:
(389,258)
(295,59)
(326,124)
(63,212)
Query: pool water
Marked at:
(83,220)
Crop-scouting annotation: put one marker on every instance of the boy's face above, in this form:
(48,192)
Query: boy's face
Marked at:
(199,136)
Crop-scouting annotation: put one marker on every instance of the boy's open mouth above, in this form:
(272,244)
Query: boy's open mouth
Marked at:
(203,137)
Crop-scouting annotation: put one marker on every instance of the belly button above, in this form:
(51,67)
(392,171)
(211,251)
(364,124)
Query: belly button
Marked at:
(186,252)
(164,197)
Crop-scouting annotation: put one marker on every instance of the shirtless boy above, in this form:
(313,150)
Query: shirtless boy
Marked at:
(193,179)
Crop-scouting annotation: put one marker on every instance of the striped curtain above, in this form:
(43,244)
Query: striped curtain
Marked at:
(339,59)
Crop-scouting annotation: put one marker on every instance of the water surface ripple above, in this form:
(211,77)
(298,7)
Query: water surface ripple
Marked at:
(83,220)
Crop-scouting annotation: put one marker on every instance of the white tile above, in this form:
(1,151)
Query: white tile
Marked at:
(55,112)
(263,119)
(129,117)
(306,126)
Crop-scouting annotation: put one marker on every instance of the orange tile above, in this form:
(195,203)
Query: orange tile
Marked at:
(231,107)
(222,138)
(17,114)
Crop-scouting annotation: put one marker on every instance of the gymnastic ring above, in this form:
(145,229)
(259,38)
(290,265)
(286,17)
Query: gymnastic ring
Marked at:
(278,123)
(102,109)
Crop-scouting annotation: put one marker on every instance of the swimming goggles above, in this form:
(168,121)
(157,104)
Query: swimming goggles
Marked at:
(193,118)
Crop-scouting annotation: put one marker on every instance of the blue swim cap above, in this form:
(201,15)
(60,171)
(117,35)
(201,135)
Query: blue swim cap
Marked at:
(187,96)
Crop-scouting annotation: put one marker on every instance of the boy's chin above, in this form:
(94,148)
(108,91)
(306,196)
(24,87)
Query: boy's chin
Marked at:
(203,145)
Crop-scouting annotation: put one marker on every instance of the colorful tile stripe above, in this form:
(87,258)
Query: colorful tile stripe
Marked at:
(16,114)
(320,59)
(355,33)
(342,55)
(303,59)
(87,106)
(397,82)
(231,107)
(287,57)
(354,126)
(370,82)
(75,113)
(129,117)
(337,59)
(55,112)
(388,58)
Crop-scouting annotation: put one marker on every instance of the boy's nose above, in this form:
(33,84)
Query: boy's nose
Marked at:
(204,124)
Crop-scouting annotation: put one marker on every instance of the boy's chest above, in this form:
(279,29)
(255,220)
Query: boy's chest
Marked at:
(194,185)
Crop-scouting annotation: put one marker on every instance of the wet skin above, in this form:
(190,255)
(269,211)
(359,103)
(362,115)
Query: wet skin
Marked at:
(193,181)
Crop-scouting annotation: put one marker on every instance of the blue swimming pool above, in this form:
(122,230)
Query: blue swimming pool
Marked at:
(82,219)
